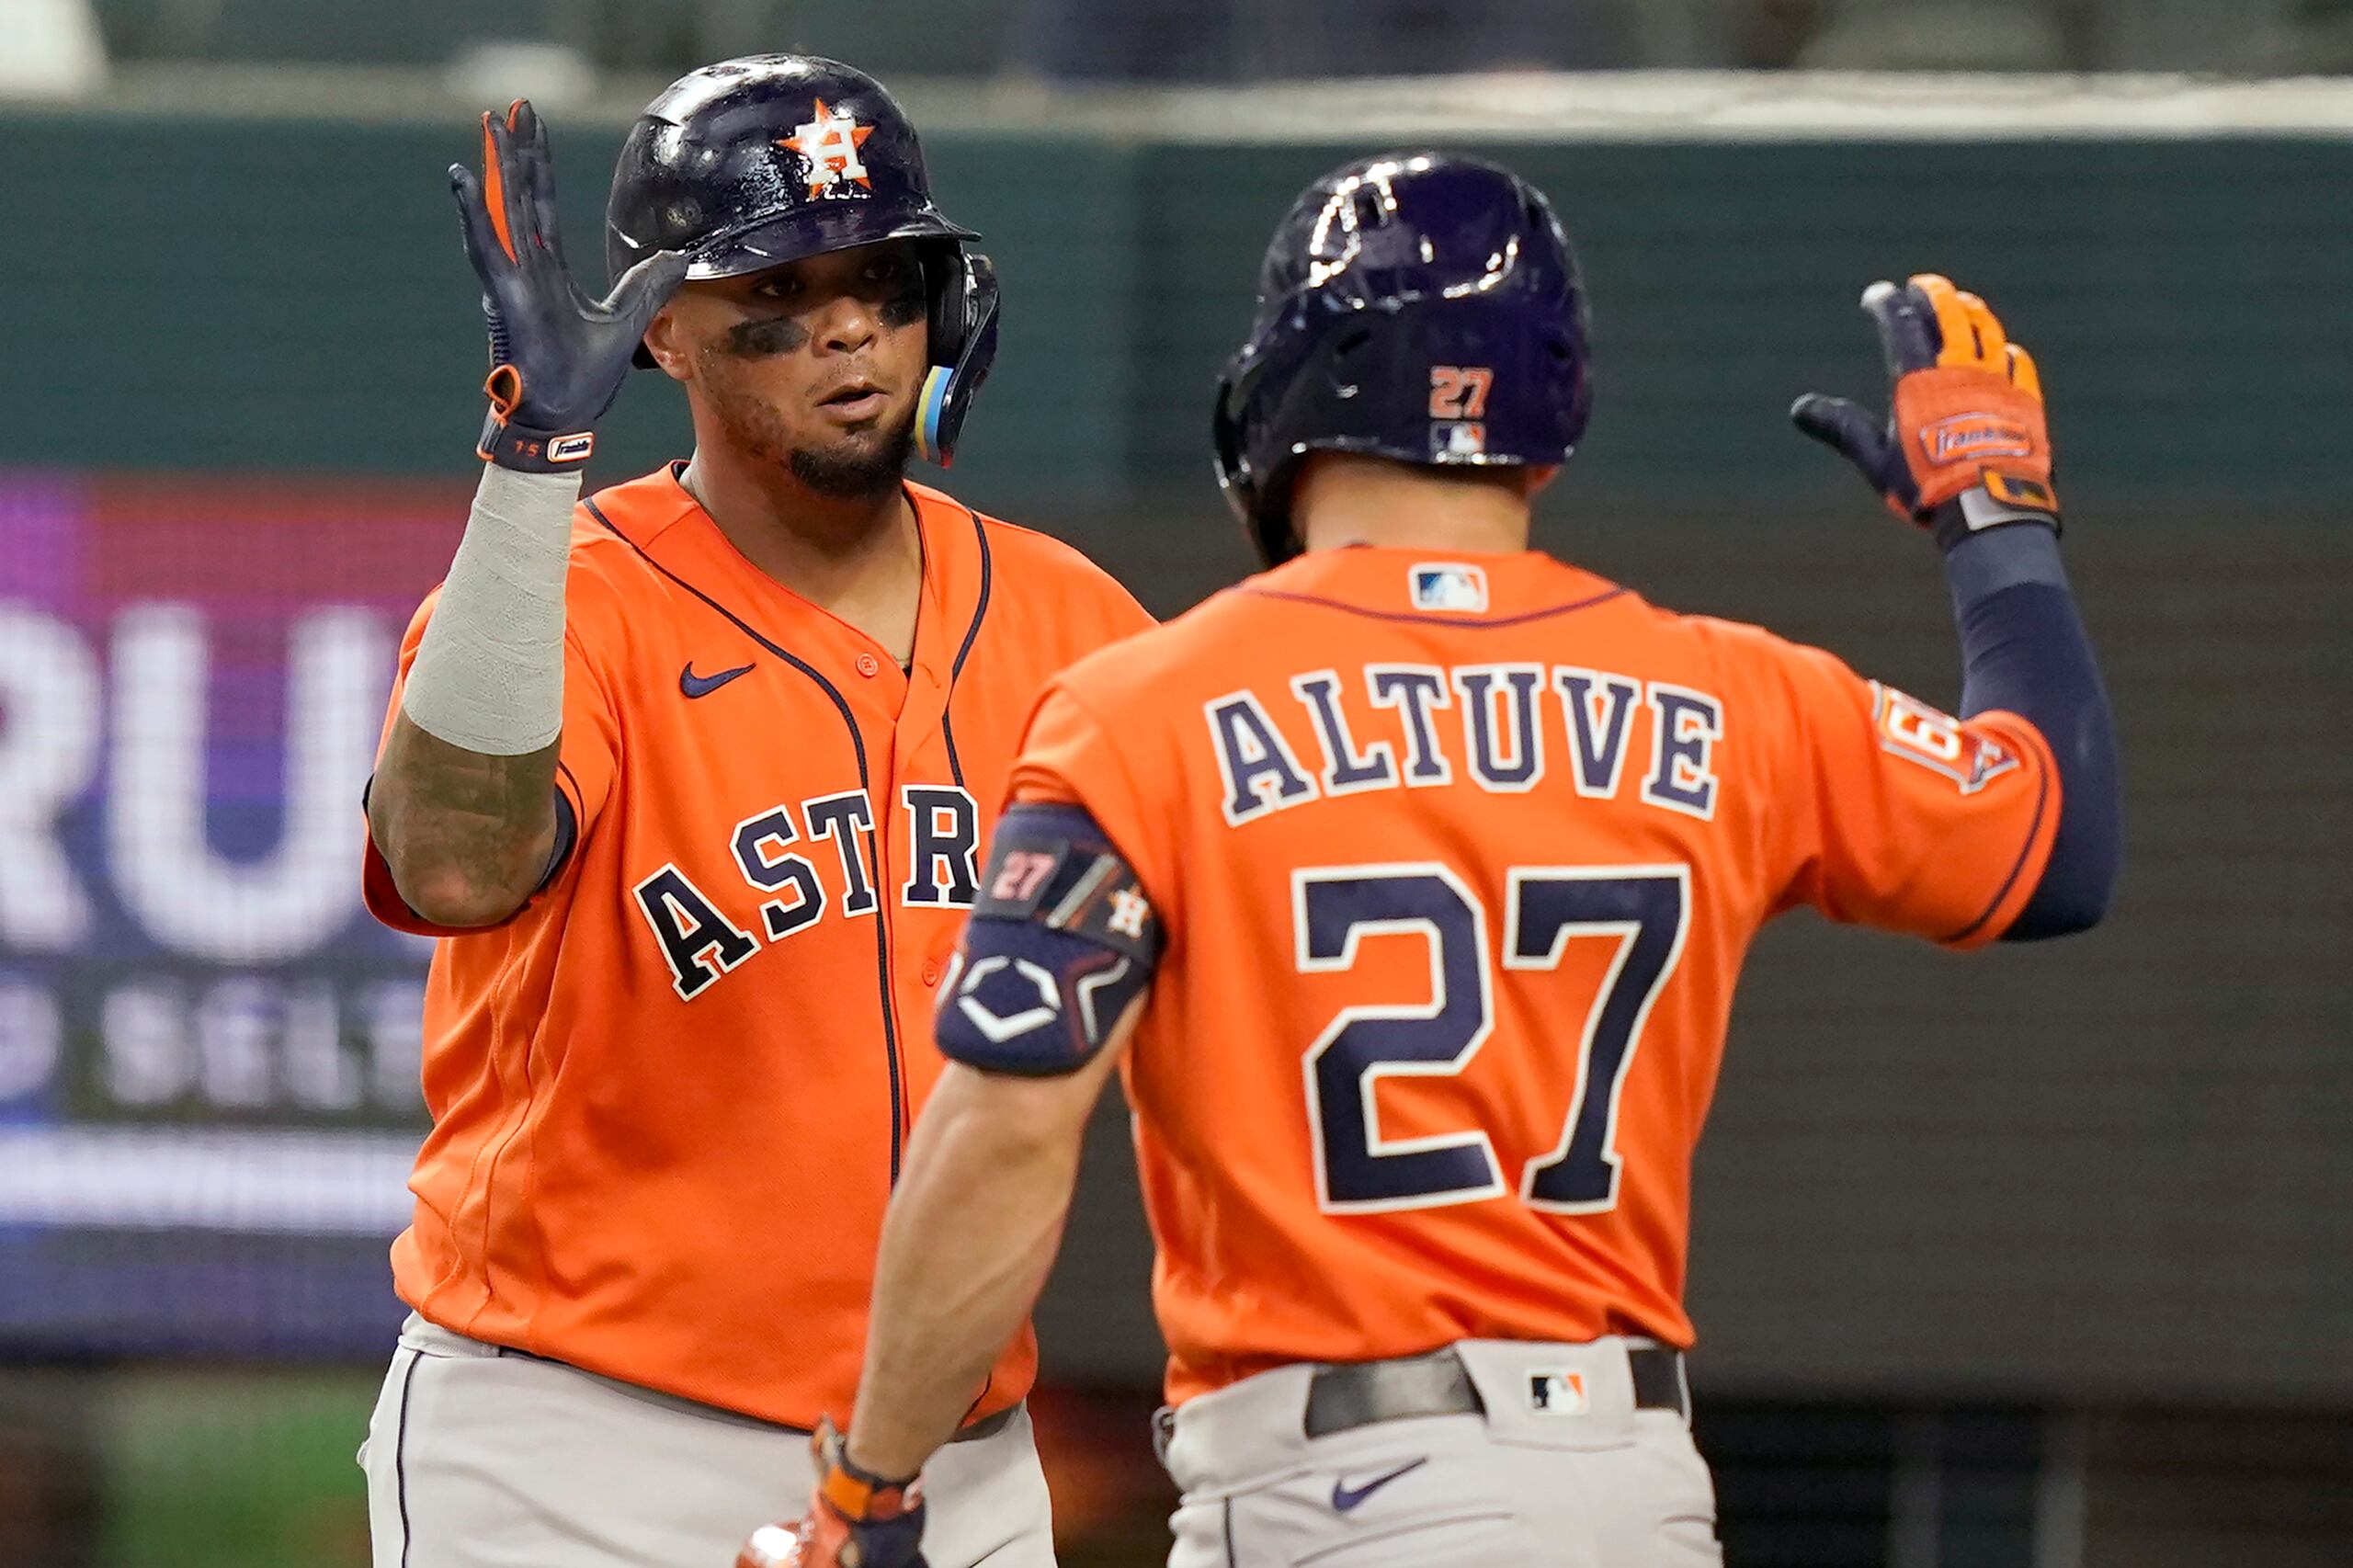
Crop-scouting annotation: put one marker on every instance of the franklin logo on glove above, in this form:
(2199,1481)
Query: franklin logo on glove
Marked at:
(1966,438)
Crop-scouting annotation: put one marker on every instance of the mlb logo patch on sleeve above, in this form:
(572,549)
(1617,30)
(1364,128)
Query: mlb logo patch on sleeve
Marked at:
(1459,590)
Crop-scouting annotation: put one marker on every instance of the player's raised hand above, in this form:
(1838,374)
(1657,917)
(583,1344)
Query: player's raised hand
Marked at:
(557,357)
(1965,445)
(855,1520)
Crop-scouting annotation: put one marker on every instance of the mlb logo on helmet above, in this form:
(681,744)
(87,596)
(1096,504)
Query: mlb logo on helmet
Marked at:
(1457,441)
(1558,1394)
(1462,590)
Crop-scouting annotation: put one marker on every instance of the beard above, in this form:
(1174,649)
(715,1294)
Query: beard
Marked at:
(854,465)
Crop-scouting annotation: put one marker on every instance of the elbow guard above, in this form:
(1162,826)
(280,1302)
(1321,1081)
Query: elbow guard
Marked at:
(1061,941)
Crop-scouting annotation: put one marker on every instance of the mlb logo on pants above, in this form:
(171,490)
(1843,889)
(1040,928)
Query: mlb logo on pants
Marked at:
(1557,1393)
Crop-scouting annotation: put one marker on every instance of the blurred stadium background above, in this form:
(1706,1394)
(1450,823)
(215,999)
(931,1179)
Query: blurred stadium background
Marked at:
(2037,1261)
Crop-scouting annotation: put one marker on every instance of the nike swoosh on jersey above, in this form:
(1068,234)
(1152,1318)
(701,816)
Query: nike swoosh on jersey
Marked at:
(1345,1497)
(694,685)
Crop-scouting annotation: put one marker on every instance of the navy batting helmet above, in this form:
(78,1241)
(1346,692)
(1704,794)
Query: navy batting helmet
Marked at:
(1419,306)
(753,163)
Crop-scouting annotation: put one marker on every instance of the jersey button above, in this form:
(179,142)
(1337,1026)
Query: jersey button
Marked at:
(930,973)
(869,665)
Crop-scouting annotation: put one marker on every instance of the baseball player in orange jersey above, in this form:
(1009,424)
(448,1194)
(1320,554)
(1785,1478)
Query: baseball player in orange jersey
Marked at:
(690,777)
(1421,869)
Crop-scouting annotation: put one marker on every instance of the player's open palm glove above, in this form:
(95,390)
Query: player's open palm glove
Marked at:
(1965,446)
(855,1520)
(557,358)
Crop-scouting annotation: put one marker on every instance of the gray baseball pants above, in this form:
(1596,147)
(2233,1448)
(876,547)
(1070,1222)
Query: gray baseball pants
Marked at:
(483,1458)
(1555,1466)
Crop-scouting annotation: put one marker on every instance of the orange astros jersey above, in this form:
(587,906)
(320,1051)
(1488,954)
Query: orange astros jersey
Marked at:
(1457,862)
(669,1095)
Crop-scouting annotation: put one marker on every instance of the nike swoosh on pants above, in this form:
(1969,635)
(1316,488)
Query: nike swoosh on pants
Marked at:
(1345,1497)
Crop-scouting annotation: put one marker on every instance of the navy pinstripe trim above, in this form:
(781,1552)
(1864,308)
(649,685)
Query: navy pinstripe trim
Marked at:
(978,1400)
(1229,1560)
(400,1453)
(971,634)
(567,835)
(1419,618)
(865,785)
(2033,831)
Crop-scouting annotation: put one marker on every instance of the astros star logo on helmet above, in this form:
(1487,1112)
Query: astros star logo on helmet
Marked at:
(830,143)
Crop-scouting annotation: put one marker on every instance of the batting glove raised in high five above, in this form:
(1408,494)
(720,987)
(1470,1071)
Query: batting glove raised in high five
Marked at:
(855,1520)
(557,358)
(1965,446)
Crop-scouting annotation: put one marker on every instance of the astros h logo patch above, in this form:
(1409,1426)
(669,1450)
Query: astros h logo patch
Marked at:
(1915,731)
(830,143)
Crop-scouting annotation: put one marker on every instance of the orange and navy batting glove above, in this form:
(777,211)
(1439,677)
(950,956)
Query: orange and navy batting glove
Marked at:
(1965,446)
(855,1520)
(557,357)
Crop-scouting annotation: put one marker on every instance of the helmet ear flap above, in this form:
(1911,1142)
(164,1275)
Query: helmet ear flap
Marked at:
(963,325)
(1233,475)
(1258,504)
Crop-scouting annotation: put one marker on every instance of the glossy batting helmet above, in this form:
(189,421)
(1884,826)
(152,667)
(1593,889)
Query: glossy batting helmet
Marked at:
(753,163)
(1418,306)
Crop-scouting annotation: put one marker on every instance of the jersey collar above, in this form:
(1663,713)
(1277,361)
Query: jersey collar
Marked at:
(1433,584)
(657,515)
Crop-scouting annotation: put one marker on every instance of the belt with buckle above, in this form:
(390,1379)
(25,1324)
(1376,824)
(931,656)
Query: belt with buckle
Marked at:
(1345,1397)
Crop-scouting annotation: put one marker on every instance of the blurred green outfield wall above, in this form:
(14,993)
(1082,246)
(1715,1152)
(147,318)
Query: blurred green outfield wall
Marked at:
(270,294)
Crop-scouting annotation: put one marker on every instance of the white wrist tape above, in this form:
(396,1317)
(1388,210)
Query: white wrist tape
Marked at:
(489,672)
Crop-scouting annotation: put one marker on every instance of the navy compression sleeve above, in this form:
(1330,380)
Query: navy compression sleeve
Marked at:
(2023,650)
